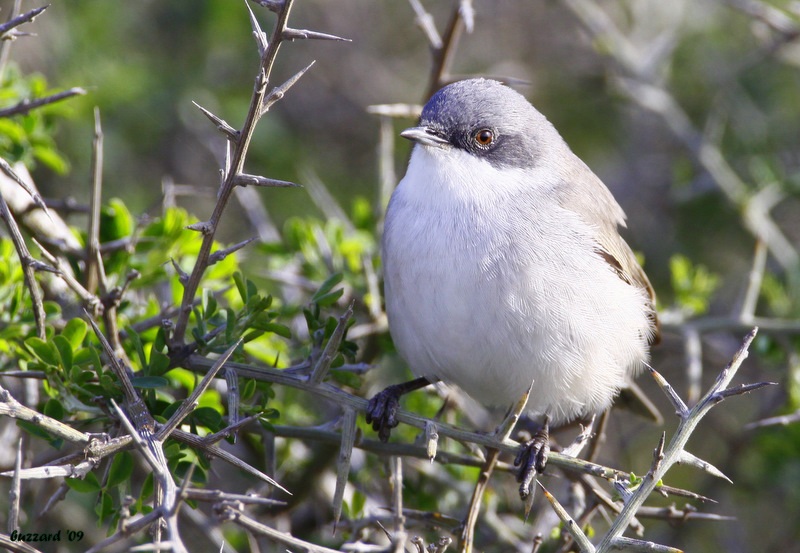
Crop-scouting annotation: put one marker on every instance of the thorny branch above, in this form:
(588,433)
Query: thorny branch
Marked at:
(239,142)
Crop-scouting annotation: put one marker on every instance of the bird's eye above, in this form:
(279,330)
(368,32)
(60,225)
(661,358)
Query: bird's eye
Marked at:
(483,137)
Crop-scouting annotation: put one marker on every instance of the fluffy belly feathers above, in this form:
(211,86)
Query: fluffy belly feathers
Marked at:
(512,316)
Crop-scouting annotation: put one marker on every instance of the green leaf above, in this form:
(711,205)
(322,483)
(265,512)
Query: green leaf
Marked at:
(159,363)
(693,284)
(82,356)
(64,351)
(252,335)
(230,324)
(208,417)
(104,508)
(136,340)
(275,328)
(45,351)
(248,390)
(115,221)
(34,430)
(329,298)
(54,409)
(209,303)
(88,484)
(121,469)
(359,500)
(160,342)
(75,331)
(346,378)
(172,450)
(147,486)
(238,279)
(252,289)
(51,158)
(327,286)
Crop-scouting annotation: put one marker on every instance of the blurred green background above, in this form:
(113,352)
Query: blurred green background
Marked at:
(145,62)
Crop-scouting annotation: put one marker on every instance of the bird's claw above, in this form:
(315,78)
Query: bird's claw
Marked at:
(382,411)
(532,460)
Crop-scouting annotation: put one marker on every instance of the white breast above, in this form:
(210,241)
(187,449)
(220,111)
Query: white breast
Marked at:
(490,286)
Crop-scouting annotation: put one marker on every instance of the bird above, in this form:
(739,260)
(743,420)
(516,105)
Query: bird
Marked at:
(504,268)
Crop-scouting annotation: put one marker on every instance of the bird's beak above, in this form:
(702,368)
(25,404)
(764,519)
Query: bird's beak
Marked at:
(425,136)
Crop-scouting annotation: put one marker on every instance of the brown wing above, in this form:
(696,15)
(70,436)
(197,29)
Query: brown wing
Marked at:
(586,195)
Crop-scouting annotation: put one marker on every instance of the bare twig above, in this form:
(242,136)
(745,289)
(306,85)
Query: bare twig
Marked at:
(94,263)
(669,455)
(192,401)
(399,534)
(14,494)
(5,47)
(11,407)
(238,147)
(32,192)
(227,512)
(29,266)
(25,106)
(26,17)
(332,347)
(255,180)
(443,56)
(349,433)
(467,535)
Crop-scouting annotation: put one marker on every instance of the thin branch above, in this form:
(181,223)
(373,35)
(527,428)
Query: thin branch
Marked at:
(332,347)
(302,34)
(672,453)
(91,301)
(234,167)
(443,56)
(11,407)
(14,494)
(221,124)
(166,493)
(193,400)
(424,21)
(349,432)
(244,179)
(569,523)
(26,17)
(286,377)
(279,92)
(641,85)
(754,279)
(93,259)
(32,192)
(219,255)
(396,485)
(227,512)
(5,47)
(27,105)
(29,265)
(216,496)
(16,546)
(200,443)
(467,535)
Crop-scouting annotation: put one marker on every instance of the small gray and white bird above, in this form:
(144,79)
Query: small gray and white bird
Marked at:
(504,265)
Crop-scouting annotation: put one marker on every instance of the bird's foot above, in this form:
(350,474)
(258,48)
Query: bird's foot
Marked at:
(532,459)
(382,411)
(382,408)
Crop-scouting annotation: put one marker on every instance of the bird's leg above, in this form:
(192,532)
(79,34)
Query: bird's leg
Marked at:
(532,458)
(382,408)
